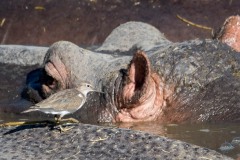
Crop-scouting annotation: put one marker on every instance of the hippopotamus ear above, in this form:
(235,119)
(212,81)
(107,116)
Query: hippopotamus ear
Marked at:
(139,71)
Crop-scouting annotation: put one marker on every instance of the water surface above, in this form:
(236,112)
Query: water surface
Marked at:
(221,137)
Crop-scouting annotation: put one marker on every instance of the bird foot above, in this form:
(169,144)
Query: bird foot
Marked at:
(59,122)
(64,129)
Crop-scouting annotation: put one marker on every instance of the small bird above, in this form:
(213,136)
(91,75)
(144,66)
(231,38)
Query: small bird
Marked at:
(64,102)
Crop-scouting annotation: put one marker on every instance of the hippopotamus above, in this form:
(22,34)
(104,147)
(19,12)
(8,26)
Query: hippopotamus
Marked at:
(145,77)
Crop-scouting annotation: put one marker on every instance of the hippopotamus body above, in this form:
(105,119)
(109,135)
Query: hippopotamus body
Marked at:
(149,79)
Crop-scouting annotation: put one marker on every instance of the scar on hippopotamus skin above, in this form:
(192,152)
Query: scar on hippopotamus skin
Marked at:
(142,97)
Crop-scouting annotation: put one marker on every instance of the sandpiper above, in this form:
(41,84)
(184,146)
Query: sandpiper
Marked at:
(64,102)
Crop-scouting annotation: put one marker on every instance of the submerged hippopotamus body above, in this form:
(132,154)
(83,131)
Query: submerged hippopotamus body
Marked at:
(149,79)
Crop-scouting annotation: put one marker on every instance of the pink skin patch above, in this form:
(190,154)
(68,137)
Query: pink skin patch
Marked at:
(151,102)
(128,90)
(230,32)
(148,108)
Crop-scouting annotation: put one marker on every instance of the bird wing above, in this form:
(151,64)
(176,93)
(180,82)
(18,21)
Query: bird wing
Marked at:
(73,104)
(61,100)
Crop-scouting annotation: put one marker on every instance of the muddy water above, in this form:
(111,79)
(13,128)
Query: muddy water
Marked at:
(224,137)
(89,22)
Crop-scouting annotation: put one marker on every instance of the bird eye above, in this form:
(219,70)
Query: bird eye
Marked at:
(88,85)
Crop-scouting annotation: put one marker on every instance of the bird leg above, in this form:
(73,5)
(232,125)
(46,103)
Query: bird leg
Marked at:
(57,118)
(60,121)
(73,120)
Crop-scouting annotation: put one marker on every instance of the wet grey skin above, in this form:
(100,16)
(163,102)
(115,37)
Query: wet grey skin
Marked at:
(64,102)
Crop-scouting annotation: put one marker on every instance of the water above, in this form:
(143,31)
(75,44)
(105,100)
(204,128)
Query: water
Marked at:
(222,137)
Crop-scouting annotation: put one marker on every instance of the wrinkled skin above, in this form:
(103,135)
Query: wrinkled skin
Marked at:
(193,82)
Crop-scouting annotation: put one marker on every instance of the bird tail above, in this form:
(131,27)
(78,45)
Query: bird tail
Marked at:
(30,110)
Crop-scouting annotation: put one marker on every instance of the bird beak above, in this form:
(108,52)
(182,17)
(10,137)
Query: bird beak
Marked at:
(99,91)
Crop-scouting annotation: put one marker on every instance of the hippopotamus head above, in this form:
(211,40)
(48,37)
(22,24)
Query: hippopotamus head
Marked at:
(172,86)
(132,93)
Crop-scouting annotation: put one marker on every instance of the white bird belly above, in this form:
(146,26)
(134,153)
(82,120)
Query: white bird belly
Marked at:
(57,112)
